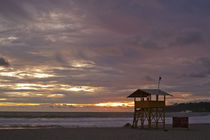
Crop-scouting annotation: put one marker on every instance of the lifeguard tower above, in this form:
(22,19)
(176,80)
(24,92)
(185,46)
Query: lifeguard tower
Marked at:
(149,105)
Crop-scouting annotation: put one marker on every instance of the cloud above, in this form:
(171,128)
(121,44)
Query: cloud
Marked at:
(200,68)
(59,58)
(115,46)
(4,62)
(189,38)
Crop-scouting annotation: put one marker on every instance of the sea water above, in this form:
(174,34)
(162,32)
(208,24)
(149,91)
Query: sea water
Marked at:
(30,123)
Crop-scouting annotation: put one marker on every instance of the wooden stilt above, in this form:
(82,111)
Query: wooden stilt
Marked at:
(156,117)
(163,117)
(134,119)
(149,117)
(164,111)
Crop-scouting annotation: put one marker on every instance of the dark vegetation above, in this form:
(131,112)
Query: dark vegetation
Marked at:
(194,107)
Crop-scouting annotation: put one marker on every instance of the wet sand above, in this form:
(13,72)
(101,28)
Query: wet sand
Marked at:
(195,132)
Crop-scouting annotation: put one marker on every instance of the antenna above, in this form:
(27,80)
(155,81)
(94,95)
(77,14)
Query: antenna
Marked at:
(159,82)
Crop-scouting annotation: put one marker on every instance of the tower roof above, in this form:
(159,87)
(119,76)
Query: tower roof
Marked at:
(146,92)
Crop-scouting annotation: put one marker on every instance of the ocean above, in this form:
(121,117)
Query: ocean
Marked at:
(22,120)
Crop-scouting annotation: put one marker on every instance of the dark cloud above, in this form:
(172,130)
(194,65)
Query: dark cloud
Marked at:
(125,44)
(202,68)
(149,79)
(4,62)
(59,58)
(189,38)
(12,9)
(198,75)
(205,61)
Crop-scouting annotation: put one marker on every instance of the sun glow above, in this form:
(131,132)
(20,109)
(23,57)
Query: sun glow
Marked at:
(115,104)
(82,88)
(42,75)
(7,40)
(18,104)
(55,96)
(8,74)
(83,64)
(25,86)
(17,94)
(27,73)
(31,94)
(2,68)
(48,87)
(107,104)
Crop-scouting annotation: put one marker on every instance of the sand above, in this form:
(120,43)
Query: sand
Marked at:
(196,132)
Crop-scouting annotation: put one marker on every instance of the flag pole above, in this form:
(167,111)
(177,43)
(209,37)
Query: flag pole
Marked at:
(159,82)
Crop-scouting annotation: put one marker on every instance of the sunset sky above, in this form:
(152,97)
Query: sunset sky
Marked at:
(89,55)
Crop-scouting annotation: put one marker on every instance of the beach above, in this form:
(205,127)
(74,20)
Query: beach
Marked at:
(96,126)
(195,132)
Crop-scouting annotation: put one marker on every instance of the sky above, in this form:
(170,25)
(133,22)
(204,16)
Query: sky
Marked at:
(89,55)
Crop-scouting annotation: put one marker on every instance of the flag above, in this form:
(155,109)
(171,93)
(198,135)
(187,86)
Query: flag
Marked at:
(160,78)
